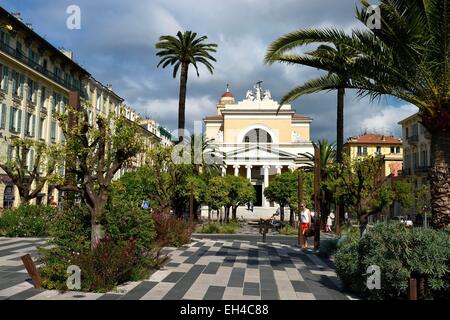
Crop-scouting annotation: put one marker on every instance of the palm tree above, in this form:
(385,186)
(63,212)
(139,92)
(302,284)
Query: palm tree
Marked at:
(181,51)
(327,156)
(336,60)
(407,58)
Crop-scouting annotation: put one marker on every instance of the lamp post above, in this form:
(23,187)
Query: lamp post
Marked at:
(299,202)
(317,198)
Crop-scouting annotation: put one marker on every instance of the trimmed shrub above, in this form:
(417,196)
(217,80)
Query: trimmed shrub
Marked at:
(127,253)
(124,221)
(218,228)
(27,221)
(400,253)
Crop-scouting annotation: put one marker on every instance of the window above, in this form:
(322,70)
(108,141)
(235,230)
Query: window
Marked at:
(19,48)
(30,124)
(397,150)
(424,162)
(53,132)
(43,96)
(5,78)
(4,37)
(15,120)
(21,85)
(406,132)
(3,116)
(415,159)
(98,102)
(31,88)
(15,82)
(42,128)
(258,136)
(378,152)
(392,150)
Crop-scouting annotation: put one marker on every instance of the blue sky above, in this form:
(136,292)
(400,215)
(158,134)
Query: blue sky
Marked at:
(116,45)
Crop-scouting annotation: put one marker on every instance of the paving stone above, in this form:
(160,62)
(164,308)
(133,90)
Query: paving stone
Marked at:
(212,268)
(214,293)
(139,291)
(237,278)
(173,277)
(251,289)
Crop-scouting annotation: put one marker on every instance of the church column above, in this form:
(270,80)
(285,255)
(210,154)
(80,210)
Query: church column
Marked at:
(224,171)
(266,184)
(236,170)
(279,169)
(249,172)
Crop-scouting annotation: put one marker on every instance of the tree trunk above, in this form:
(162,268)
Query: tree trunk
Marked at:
(235,212)
(440,179)
(282,213)
(291,217)
(339,149)
(340,124)
(182,101)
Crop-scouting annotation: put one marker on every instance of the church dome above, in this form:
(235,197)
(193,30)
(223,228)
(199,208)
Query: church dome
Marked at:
(227,97)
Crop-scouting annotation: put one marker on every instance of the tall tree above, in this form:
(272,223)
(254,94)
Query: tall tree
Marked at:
(408,57)
(181,51)
(100,150)
(31,165)
(337,60)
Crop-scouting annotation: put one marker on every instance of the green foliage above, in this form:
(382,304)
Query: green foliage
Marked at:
(27,221)
(185,48)
(308,189)
(135,186)
(217,194)
(400,253)
(109,264)
(287,230)
(124,221)
(281,188)
(129,230)
(240,191)
(30,178)
(220,228)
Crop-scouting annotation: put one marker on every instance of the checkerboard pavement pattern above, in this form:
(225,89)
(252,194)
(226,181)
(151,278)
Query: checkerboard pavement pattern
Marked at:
(205,269)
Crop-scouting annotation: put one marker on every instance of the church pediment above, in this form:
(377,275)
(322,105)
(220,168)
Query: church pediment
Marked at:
(259,152)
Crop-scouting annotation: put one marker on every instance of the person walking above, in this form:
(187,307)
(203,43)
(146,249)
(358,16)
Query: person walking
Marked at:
(305,224)
(329,224)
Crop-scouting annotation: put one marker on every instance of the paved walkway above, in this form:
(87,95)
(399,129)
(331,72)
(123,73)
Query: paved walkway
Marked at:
(206,269)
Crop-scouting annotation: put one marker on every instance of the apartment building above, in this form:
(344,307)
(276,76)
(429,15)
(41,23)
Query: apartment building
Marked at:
(417,155)
(389,148)
(35,81)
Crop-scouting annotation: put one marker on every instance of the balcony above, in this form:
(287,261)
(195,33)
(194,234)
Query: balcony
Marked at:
(414,139)
(422,169)
(36,66)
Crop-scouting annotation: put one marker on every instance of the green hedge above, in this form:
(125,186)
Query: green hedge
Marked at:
(27,221)
(400,253)
(218,228)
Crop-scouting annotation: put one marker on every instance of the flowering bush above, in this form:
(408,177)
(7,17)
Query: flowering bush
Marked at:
(108,265)
(27,221)
(171,231)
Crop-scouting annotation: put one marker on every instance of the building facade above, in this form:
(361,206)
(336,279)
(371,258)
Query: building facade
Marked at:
(390,149)
(259,139)
(35,81)
(417,155)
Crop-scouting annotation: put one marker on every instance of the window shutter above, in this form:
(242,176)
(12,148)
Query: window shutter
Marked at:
(33,125)
(19,121)
(3,119)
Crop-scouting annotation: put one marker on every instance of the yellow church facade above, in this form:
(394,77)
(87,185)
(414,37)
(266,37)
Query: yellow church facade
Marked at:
(258,138)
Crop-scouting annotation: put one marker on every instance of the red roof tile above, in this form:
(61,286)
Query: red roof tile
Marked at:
(214,118)
(374,138)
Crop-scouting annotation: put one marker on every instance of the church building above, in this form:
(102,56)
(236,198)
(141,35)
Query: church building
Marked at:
(258,138)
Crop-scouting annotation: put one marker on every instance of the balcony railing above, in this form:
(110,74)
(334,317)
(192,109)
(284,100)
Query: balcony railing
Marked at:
(413,139)
(36,66)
